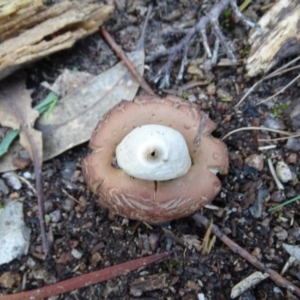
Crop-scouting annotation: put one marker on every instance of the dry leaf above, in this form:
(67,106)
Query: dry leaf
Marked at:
(33,30)
(292,250)
(75,117)
(68,81)
(247,283)
(16,112)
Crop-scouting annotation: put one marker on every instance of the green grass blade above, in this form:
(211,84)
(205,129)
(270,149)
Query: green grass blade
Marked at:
(50,108)
(44,105)
(6,142)
(284,203)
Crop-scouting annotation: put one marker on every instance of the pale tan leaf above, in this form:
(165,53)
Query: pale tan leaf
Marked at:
(16,112)
(68,81)
(74,118)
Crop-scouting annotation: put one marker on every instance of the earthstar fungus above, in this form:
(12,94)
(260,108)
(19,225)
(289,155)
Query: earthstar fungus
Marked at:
(132,138)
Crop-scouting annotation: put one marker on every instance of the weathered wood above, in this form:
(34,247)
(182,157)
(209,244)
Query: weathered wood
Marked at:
(29,29)
(280,37)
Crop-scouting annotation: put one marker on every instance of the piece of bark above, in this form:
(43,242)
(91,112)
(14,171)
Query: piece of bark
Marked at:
(280,37)
(30,30)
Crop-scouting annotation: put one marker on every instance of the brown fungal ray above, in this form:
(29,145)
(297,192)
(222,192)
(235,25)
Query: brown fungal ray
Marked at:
(149,201)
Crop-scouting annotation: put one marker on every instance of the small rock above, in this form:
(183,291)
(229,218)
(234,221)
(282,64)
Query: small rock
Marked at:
(292,158)
(211,89)
(12,180)
(55,216)
(43,274)
(153,241)
(68,204)
(293,144)
(224,95)
(192,98)
(48,206)
(31,263)
(96,258)
(277,196)
(195,70)
(21,162)
(3,187)
(76,253)
(69,168)
(281,234)
(27,175)
(283,172)
(64,258)
(10,279)
(274,123)
(255,161)
(75,176)
(14,235)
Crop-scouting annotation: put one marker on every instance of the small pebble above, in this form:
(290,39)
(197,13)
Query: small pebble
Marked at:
(274,123)
(55,216)
(48,206)
(27,175)
(10,279)
(20,162)
(292,158)
(283,172)
(68,204)
(3,187)
(76,253)
(153,241)
(277,196)
(255,161)
(211,89)
(12,180)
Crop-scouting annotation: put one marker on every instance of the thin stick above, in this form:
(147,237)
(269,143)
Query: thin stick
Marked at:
(120,53)
(273,173)
(86,279)
(271,75)
(279,139)
(279,92)
(278,279)
(257,128)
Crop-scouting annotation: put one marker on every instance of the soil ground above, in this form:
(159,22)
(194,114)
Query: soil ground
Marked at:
(103,239)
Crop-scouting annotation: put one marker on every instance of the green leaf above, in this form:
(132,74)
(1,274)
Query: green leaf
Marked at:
(226,13)
(185,96)
(285,106)
(7,141)
(47,218)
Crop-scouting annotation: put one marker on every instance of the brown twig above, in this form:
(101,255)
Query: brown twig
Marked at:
(120,53)
(210,18)
(278,279)
(86,279)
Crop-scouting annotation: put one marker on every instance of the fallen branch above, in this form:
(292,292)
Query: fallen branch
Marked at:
(278,279)
(120,53)
(210,18)
(86,279)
